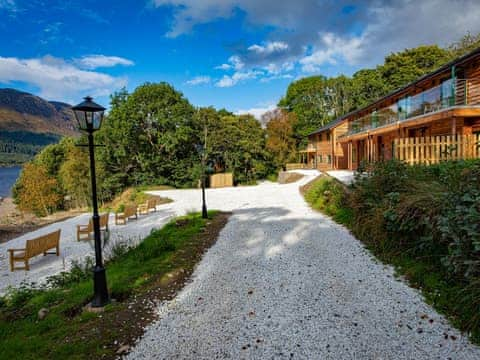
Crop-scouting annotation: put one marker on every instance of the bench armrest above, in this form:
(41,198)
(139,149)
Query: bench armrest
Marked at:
(14,250)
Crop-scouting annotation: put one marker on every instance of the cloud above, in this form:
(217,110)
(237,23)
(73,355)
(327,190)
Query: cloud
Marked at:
(269,48)
(58,79)
(229,81)
(312,34)
(331,50)
(234,63)
(101,61)
(223,67)
(257,112)
(199,80)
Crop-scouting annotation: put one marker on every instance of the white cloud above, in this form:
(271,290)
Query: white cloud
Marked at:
(199,80)
(102,61)
(57,79)
(330,50)
(224,67)
(312,33)
(257,112)
(269,48)
(229,81)
(236,62)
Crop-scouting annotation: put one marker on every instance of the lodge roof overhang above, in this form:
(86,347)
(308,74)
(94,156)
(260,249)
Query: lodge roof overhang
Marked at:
(449,113)
(404,89)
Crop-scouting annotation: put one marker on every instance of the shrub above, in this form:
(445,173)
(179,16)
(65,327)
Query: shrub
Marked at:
(329,196)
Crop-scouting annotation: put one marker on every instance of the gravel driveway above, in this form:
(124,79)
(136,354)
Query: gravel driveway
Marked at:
(283,281)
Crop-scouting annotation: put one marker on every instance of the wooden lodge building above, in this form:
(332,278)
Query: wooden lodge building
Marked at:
(434,118)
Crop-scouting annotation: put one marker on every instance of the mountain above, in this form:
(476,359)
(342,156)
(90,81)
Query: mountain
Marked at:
(21,111)
(28,123)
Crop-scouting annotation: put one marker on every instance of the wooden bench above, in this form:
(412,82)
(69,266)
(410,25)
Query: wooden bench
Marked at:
(145,208)
(84,232)
(129,212)
(35,247)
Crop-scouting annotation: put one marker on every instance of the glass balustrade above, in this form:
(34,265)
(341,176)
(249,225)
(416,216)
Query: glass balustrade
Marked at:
(452,92)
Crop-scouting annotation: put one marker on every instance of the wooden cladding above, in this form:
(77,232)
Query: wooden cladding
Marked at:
(433,149)
(295,166)
(221,180)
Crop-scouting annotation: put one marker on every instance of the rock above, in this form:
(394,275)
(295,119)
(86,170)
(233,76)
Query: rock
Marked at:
(42,313)
(123,349)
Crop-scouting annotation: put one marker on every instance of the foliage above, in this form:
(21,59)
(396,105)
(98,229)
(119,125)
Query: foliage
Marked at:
(17,147)
(280,141)
(74,175)
(149,138)
(465,45)
(406,66)
(235,144)
(329,196)
(36,191)
(307,99)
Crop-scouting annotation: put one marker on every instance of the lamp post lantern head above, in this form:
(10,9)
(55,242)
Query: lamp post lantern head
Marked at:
(89,115)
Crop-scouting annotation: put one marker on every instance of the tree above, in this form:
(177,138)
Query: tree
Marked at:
(37,191)
(74,175)
(406,66)
(465,45)
(148,138)
(236,144)
(280,138)
(367,85)
(308,99)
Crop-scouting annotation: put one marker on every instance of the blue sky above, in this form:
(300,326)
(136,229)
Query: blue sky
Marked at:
(236,54)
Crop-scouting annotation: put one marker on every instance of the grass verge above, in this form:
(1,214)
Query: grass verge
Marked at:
(138,279)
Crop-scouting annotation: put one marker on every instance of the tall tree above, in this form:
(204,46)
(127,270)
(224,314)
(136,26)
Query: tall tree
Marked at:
(465,45)
(148,138)
(280,140)
(367,85)
(406,66)
(309,99)
(36,190)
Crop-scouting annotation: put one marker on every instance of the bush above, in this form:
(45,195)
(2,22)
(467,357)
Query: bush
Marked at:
(329,196)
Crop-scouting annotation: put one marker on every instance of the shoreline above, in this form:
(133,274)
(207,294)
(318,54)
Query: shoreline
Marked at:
(15,223)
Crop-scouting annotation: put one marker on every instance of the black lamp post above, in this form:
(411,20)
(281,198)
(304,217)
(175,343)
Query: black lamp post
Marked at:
(89,116)
(201,151)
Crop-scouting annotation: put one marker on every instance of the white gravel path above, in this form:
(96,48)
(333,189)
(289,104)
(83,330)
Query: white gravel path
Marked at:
(283,281)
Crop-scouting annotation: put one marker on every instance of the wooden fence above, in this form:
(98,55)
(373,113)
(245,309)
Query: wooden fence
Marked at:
(296,166)
(221,180)
(433,149)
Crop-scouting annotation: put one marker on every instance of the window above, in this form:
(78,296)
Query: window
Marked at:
(329,159)
(328,136)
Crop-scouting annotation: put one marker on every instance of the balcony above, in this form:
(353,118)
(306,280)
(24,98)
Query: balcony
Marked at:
(309,149)
(451,93)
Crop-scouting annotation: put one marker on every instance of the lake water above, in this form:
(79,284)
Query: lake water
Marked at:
(8,176)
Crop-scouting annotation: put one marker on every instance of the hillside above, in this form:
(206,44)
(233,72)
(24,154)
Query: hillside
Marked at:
(28,122)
